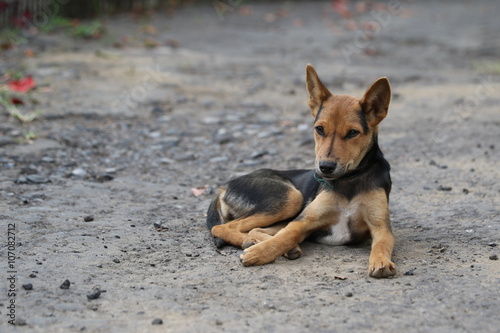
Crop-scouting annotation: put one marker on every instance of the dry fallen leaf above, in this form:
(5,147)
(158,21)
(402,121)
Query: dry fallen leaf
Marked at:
(197,191)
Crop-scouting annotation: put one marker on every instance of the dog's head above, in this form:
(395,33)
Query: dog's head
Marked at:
(345,127)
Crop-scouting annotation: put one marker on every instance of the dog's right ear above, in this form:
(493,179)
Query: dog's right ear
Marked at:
(317,91)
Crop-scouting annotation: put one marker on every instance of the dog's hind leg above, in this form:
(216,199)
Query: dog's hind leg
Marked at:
(236,231)
(258,235)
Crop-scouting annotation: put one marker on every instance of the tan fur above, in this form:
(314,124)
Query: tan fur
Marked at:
(317,91)
(236,232)
(372,215)
(261,234)
(337,116)
(333,147)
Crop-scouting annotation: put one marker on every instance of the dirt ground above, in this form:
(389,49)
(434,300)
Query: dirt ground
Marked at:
(103,196)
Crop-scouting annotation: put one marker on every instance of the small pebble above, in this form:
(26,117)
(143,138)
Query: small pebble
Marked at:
(32,179)
(258,154)
(28,286)
(79,172)
(20,322)
(444,188)
(185,157)
(170,141)
(116,261)
(269,306)
(349,294)
(219,159)
(492,244)
(65,284)
(249,163)
(21,180)
(37,179)
(494,257)
(223,138)
(104,177)
(95,294)
(89,218)
(157,321)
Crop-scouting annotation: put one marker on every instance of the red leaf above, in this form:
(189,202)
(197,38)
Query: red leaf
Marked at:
(16,101)
(22,85)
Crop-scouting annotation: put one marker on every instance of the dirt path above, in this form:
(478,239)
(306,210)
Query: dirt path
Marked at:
(125,134)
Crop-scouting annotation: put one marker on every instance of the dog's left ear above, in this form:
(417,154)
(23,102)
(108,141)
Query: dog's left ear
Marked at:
(375,102)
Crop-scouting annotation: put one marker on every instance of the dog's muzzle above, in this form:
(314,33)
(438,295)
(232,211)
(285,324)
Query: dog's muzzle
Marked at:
(327,169)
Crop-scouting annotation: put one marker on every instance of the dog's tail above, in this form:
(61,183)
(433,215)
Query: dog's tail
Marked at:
(213,219)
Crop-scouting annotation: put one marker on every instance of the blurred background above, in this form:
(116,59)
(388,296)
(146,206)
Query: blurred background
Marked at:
(121,118)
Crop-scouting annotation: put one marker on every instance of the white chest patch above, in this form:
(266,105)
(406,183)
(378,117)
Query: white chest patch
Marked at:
(340,233)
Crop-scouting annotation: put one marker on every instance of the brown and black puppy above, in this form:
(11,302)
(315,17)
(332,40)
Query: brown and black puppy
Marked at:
(343,200)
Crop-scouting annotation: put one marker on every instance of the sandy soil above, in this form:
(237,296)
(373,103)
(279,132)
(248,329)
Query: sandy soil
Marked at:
(103,196)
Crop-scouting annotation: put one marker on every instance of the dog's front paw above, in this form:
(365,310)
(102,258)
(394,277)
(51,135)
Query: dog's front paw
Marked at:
(257,255)
(381,268)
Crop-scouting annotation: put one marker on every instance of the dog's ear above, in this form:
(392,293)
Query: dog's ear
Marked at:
(375,102)
(317,91)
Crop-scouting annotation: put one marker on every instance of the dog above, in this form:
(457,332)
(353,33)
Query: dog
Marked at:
(343,200)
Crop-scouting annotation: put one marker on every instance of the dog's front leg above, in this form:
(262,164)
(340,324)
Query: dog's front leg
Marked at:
(381,253)
(377,218)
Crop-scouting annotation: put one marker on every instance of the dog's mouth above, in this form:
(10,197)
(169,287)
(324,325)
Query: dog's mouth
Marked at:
(338,172)
(330,176)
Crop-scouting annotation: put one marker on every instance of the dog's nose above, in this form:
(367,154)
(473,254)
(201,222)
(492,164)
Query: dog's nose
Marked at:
(327,167)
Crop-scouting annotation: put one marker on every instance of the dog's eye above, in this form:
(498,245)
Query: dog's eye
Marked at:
(351,134)
(320,130)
